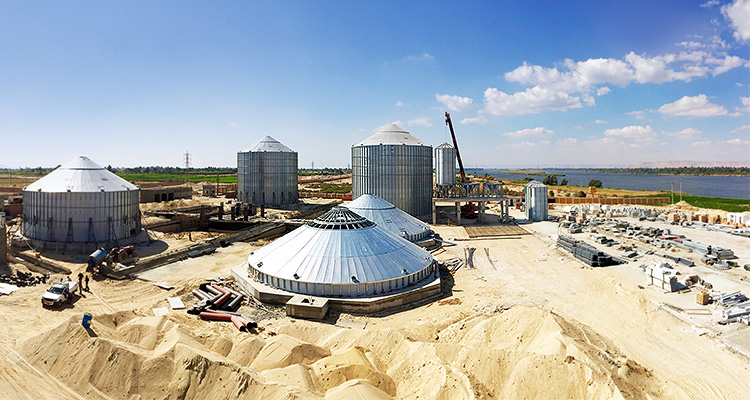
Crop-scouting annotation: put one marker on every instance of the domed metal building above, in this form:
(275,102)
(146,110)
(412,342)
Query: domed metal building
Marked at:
(81,202)
(388,216)
(267,174)
(340,254)
(395,166)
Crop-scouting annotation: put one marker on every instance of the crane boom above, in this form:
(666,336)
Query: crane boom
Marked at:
(455,144)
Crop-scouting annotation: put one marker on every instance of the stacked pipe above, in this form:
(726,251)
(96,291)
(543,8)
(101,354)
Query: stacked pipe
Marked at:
(22,279)
(584,252)
(220,303)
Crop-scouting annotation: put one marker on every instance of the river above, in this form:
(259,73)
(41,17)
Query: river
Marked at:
(735,187)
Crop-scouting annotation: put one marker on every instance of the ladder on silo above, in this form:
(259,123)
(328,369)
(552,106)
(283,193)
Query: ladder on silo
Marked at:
(50,233)
(69,236)
(111,235)
(92,236)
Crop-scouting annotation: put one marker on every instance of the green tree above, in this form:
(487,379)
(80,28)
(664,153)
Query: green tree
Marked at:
(580,194)
(550,180)
(595,183)
(564,182)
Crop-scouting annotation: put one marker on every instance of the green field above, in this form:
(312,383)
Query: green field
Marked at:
(715,203)
(533,172)
(193,178)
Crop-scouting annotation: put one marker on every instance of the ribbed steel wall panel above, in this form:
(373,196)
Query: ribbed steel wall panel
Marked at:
(399,174)
(535,196)
(267,177)
(445,165)
(55,216)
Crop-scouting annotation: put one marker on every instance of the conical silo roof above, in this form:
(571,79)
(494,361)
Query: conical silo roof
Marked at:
(534,184)
(339,247)
(388,216)
(81,175)
(268,144)
(445,145)
(391,134)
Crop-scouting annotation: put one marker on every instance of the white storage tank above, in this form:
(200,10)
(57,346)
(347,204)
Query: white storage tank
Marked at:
(267,174)
(388,216)
(535,196)
(445,165)
(81,202)
(395,166)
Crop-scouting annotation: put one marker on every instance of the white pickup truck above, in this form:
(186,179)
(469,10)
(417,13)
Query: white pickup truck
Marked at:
(59,293)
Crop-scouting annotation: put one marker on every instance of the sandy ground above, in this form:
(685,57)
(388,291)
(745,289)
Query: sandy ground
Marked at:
(527,322)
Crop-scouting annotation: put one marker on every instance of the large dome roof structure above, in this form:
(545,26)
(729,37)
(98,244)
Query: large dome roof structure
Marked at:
(80,175)
(268,144)
(340,253)
(390,217)
(391,134)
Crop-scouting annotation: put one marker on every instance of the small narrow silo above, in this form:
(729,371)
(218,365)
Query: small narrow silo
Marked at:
(445,165)
(267,174)
(535,196)
(395,166)
(81,202)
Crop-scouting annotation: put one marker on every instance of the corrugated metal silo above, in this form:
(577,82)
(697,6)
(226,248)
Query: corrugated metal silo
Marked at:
(81,202)
(445,165)
(267,173)
(395,166)
(535,196)
(342,254)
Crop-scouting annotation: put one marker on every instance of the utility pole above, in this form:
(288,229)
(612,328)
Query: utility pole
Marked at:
(680,188)
(313,166)
(672,191)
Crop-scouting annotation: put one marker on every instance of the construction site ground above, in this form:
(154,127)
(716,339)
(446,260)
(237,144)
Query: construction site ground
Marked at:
(528,321)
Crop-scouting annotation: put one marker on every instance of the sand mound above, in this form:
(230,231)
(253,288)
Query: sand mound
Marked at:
(683,205)
(283,350)
(523,352)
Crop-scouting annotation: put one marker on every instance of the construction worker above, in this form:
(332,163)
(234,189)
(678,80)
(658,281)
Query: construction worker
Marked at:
(80,282)
(86,280)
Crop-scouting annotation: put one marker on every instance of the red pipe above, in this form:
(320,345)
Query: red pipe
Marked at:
(239,323)
(219,288)
(223,299)
(215,316)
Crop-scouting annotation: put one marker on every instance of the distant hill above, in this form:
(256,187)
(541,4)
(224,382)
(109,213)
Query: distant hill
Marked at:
(686,163)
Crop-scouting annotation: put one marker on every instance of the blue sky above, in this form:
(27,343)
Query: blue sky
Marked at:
(528,84)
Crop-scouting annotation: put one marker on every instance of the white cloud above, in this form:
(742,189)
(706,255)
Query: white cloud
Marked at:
(420,57)
(737,141)
(599,121)
(535,132)
(479,119)
(455,103)
(710,3)
(531,101)
(746,103)
(650,70)
(744,129)
(567,142)
(702,143)
(688,133)
(691,45)
(696,106)
(530,144)
(602,91)
(738,14)
(399,103)
(637,114)
(637,133)
(421,121)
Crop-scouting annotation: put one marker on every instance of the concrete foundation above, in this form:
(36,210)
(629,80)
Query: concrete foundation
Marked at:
(425,290)
(307,307)
(480,200)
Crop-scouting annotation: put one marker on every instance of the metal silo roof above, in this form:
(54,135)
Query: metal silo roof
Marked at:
(81,175)
(337,247)
(445,145)
(391,134)
(268,144)
(388,216)
(534,184)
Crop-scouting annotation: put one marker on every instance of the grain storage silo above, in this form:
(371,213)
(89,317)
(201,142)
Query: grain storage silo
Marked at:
(81,202)
(388,216)
(340,254)
(267,174)
(535,196)
(445,165)
(395,166)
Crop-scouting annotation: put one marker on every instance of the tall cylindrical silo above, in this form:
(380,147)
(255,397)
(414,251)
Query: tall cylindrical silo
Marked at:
(535,197)
(267,173)
(445,165)
(81,202)
(395,166)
